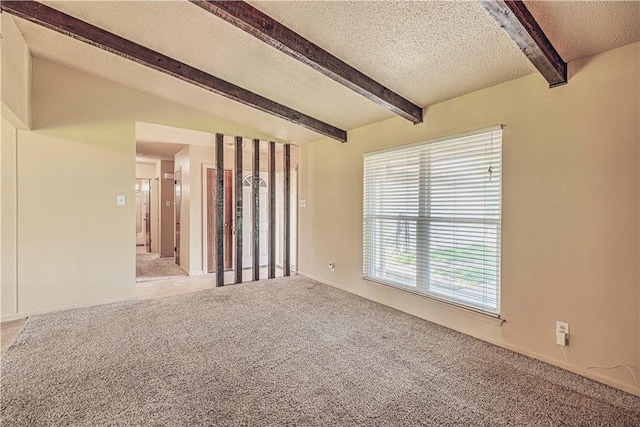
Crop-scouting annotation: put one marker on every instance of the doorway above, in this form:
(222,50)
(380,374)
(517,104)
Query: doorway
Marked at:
(177,203)
(143,214)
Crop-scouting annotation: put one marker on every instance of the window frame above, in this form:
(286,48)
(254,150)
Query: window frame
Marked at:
(423,270)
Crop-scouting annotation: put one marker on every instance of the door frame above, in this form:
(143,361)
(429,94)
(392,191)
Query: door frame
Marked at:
(147,215)
(177,216)
(205,225)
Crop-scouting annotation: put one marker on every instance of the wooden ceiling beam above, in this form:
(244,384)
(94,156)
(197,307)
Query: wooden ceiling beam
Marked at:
(248,18)
(516,20)
(55,20)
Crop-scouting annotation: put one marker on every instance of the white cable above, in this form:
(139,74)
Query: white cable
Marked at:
(622,365)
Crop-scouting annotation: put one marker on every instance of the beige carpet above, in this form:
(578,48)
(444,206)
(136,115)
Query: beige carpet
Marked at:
(149,266)
(288,351)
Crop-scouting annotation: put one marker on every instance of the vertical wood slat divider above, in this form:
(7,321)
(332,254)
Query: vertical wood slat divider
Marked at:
(219,210)
(256,209)
(272,210)
(238,205)
(287,211)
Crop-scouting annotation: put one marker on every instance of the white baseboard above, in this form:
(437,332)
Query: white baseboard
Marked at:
(629,388)
(195,273)
(25,314)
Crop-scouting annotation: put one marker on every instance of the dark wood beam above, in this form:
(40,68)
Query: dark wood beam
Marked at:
(286,235)
(516,20)
(238,203)
(272,209)
(219,210)
(75,28)
(273,33)
(256,209)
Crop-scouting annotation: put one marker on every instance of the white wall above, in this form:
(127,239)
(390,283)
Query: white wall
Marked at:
(570,228)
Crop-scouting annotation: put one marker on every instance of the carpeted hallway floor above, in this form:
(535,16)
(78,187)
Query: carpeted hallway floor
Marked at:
(288,351)
(149,266)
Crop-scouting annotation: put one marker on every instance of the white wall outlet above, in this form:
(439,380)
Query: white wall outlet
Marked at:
(303,203)
(562,333)
(332,266)
(121,201)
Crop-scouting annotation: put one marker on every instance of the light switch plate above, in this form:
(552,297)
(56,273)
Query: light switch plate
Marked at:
(121,201)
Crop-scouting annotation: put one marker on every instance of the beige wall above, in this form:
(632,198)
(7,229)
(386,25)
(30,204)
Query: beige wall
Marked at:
(182,163)
(570,229)
(15,91)
(145,171)
(198,156)
(75,245)
(16,74)
(8,280)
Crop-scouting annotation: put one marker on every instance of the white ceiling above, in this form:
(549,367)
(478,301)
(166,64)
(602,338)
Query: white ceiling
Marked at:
(426,51)
(159,142)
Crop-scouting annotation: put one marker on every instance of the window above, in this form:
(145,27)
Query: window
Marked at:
(432,219)
(247,181)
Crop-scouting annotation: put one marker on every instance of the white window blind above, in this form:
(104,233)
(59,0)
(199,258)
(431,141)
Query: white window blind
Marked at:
(432,219)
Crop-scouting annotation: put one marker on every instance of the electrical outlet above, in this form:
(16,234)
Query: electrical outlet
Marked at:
(562,333)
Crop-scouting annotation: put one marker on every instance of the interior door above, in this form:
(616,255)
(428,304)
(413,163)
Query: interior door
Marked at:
(211,220)
(139,214)
(177,204)
(146,189)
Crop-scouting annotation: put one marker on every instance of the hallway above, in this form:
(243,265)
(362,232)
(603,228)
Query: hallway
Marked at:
(149,266)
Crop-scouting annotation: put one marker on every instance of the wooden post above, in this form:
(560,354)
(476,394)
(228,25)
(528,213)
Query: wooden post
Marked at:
(272,210)
(287,211)
(238,205)
(219,210)
(256,209)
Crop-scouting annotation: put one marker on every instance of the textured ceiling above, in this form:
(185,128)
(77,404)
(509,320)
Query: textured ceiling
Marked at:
(579,29)
(425,51)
